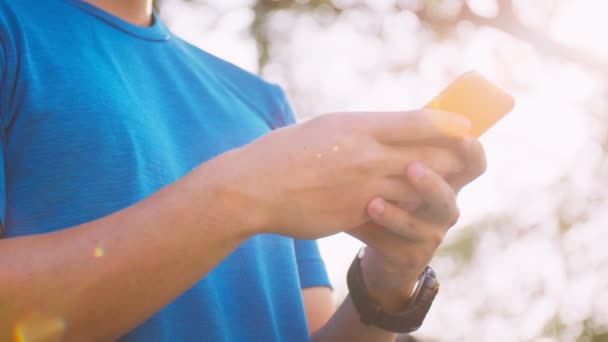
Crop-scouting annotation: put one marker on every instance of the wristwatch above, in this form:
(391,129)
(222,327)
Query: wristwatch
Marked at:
(371,313)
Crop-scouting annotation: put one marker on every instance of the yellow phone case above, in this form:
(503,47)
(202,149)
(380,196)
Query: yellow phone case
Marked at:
(476,98)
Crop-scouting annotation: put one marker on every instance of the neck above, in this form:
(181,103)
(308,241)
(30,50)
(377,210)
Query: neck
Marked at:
(137,12)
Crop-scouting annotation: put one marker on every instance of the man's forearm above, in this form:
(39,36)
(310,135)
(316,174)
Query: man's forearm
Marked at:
(104,277)
(345,325)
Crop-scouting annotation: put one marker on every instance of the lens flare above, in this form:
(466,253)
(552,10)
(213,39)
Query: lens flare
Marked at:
(38,327)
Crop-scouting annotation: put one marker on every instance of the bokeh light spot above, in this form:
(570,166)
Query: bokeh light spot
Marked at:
(98,252)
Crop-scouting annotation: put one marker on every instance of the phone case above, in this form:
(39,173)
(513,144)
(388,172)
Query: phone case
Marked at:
(476,98)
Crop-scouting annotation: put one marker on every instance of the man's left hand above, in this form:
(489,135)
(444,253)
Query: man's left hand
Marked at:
(402,239)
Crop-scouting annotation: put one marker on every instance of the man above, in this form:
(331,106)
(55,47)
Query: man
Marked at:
(140,203)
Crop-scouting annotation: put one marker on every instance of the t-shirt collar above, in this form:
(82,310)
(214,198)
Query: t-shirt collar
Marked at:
(156,32)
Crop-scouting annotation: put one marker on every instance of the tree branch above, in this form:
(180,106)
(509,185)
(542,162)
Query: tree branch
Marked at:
(508,22)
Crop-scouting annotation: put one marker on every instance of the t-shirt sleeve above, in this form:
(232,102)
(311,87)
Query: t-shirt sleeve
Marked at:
(9,65)
(2,59)
(2,182)
(283,114)
(311,267)
(2,62)
(2,136)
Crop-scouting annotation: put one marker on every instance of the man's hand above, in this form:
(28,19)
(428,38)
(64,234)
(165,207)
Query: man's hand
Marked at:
(315,179)
(402,241)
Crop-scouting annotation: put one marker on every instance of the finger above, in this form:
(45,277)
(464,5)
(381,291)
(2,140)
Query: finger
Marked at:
(396,189)
(394,246)
(474,165)
(438,199)
(444,161)
(452,143)
(404,127)
(395,255)
(394,219)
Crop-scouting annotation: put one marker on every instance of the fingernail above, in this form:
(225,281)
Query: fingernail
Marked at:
(376,207)
(416,171)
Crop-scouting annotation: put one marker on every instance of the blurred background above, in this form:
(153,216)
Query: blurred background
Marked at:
(527,260)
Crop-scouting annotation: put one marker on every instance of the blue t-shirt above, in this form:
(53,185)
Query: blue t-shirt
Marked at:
(98,114)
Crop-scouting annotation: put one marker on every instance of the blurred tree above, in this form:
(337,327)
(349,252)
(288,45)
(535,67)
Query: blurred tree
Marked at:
(442,16)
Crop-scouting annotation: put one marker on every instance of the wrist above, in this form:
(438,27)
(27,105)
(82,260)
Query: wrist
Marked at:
(408,317)
(390,284)
(219,181)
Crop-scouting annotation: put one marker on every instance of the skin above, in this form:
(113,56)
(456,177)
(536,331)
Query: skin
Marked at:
(138,12)
(401,174)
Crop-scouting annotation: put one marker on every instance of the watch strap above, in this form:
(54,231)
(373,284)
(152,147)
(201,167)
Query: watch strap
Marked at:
(372,313)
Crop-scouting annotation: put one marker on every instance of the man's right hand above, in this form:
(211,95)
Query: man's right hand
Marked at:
(315,179)
(304,181)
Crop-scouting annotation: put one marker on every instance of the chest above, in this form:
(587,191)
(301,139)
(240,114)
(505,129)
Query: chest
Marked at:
(96,102)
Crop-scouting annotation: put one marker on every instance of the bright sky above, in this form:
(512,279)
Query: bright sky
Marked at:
(583,23)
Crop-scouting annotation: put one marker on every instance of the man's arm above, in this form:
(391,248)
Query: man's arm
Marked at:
(319,306)
(327,324)
(102,278)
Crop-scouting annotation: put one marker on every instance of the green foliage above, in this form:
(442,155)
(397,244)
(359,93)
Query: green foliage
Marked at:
(555,327)
(462,248)
(601,337)
(591,333)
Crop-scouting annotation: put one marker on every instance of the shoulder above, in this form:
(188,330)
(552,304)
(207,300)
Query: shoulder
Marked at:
(16,17)
(246,85)
(20,14)
(220,66)
(22,9)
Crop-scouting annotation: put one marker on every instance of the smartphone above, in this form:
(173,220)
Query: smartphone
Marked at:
(473,96)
